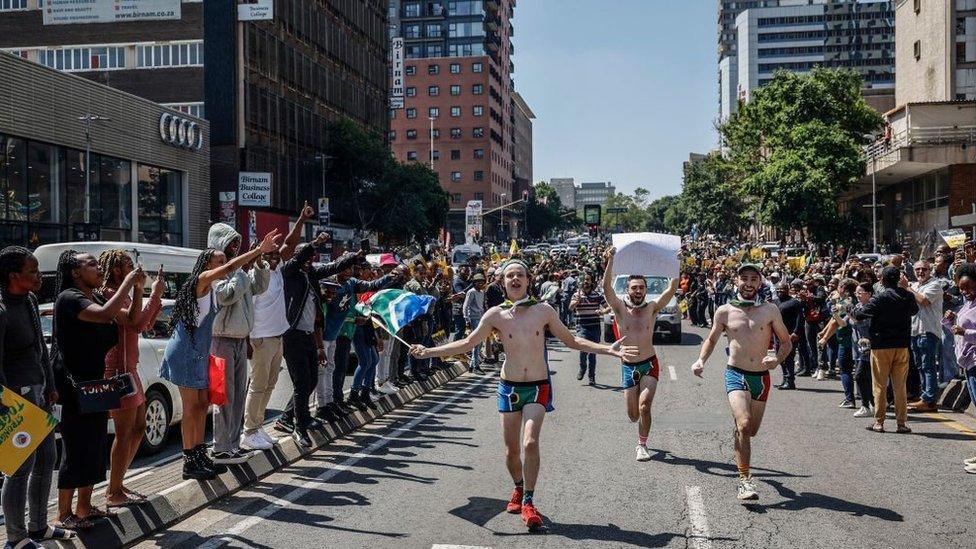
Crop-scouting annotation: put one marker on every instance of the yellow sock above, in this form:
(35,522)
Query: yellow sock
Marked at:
(743,471)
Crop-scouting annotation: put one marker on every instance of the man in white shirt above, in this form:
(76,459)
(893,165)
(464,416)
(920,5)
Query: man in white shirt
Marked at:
(270,323)
(926,333)
(473,309)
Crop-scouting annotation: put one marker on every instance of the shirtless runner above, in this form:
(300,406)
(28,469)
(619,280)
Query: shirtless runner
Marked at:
(635,318)
(525,390)
(748,325)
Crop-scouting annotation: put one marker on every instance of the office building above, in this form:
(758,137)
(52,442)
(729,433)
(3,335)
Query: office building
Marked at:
(936,50)
(565,188)
(798,35)
(146,177)
(457,106)
(522,144)
(593,193)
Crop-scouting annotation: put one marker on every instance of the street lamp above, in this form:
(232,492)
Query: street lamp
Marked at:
(322,158)
(88,118)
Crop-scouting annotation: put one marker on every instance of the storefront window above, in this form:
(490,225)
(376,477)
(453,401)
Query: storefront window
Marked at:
(13,167)
(160,206)
(45,176)
(115,190)
(74,175)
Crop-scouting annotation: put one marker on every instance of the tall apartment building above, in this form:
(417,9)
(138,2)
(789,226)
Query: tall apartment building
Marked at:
(521,144)
(798,35)
(936,50)
(565,188)
(593,193)
(457,84)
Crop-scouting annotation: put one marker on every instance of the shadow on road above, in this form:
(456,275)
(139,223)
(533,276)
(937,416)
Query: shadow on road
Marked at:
(812,500)
(716,468)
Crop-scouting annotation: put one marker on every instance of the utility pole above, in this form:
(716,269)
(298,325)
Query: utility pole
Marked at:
(88,118)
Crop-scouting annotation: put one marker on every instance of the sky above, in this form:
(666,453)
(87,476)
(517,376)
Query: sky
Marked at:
(622,90)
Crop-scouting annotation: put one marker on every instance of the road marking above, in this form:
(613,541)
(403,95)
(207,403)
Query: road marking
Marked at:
(290,498)
(952,423)
(673,373)
(699,538)
(441,546)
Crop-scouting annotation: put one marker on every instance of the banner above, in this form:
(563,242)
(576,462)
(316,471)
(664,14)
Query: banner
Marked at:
(228,208)
(254,189)
(73,12)
(954,238)
(396,70)
(472,221)
(22,428)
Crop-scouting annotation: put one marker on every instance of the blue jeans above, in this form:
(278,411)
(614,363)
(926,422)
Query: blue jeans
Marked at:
(925,348)
(457,326)
(476,353)
(845,360)
(590,333)
(948,358)
(971,383)
(368,359)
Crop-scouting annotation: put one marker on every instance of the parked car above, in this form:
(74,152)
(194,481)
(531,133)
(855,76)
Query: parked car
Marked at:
(668,319)
(164,408)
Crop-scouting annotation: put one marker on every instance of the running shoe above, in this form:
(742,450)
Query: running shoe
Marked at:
(531,516)
(747,490)
(847,404)
(971,469)
(255,441)
(821,375)
(863,411)
(264,434)
(515,503)
(642,453)
(229,458)
(970,461)
(388,388)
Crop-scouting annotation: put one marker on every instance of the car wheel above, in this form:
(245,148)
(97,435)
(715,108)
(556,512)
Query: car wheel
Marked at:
(159,414)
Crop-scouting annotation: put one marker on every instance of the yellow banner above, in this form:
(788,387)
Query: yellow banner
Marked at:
(22,429)
(756,253)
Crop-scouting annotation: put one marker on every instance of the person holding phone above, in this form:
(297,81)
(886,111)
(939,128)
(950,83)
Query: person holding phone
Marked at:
(131,320)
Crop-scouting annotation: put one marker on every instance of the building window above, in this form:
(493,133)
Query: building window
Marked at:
(160,201)
(478,132)
(413,51)
(433,90)
(479,196)
(434,112)
(455,176)
(455,112)
(411,91)
(435,133)
(411,113)
(465,7)
(478,89)
(455,133)
(11,5)
(84,59)
(455,153)
(960,52)
(411,9)
(456,198)
(435,154)
(455,68)
(479,175)
(410,70)
(466,50)
(411,155)
(187,54)
(411,134)
(478,110)
(433,69)
(455,89)
(479,153)
(434,30)
(392,135)
(193,109)
(917,47)
(477,67)
(411,31)
(435,50)
(392,114)
(463,30)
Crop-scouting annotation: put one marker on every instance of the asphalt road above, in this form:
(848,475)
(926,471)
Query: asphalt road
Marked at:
(433,475)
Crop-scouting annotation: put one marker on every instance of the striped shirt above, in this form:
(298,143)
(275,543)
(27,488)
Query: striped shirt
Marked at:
(588,308)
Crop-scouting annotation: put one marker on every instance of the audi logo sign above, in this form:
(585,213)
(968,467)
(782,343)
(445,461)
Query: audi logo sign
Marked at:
(180,132)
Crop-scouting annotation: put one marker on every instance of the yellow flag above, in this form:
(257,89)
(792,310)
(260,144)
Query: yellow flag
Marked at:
(513,249)
(22,429)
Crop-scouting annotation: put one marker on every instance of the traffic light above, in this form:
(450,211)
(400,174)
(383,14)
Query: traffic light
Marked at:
(525,196)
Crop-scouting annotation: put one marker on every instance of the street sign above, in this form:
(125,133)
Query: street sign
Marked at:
(262,10)
(592,214)
(254,189)
(325,216)
(616,210)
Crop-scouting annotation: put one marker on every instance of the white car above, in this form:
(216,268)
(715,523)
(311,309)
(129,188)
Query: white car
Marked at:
(668,320)
(164,408)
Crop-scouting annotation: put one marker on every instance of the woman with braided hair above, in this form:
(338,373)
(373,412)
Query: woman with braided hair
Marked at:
(84,331)
(187,357)
(130,419)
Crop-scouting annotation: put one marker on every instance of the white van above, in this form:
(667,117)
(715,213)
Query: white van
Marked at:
(462,252)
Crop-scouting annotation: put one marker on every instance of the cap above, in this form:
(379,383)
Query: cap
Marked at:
(387,259)
(749,267)
(478,278)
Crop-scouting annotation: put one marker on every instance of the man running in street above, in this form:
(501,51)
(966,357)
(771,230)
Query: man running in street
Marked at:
(525,390)
(749,327)
(635,318)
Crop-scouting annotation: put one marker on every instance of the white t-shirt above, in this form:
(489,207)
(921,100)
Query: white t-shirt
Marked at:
(270,319)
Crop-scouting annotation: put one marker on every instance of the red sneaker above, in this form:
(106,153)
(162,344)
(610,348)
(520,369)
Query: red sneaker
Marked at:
(531,516)
(515,503)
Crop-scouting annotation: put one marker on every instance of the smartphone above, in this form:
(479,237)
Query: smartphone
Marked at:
(364,245)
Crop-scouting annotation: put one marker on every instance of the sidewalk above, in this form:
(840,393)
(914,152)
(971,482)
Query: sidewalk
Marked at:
(171,498)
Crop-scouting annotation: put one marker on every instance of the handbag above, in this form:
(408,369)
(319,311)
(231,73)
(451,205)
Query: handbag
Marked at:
(101,395)
(217,382)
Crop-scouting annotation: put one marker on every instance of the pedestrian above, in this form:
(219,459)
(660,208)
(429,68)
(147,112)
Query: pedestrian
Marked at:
(839,328)
(862,349)
(791,310)
(926,334)
(25,369)
(364,336)
(588,306)
(891,312)
(473,309)
(459,285)
(186,360)
(83,333)
(130,418)
(962,324)
(386,370)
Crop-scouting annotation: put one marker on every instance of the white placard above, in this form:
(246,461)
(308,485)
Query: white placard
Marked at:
(648,254)
(254,189)
(262,10)
(73,12)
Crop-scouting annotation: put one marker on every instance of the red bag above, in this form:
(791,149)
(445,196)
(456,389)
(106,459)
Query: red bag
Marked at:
(218,381)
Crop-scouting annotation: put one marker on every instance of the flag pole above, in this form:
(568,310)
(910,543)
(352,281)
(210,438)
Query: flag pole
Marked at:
(401,340)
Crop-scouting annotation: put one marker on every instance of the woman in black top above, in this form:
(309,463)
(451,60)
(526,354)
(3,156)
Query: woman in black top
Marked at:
(83,334)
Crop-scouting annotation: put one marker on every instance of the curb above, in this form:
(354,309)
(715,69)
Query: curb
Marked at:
(175,503)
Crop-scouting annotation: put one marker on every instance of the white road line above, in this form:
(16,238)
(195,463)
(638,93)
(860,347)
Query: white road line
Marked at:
(441,546)
(700,537)
(291,497)
(674,374)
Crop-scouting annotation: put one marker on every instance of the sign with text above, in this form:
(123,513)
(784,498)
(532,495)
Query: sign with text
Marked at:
(472,221)
(261,10)
(254,189)
(73,12)
(592,214)
(647,254)
(325,217)
(228,208)
(23,426)
(396,73)
(954,238)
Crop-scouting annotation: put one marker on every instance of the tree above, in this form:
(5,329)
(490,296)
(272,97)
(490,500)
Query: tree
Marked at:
(633,218)
(543,211)
(795,147)
(656,211)
(708,200)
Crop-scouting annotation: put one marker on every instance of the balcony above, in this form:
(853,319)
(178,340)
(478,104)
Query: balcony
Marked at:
(492,23)
(491,6)
(493,42)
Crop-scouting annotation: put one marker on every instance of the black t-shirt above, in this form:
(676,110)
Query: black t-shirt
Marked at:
(82,345)
(792,312)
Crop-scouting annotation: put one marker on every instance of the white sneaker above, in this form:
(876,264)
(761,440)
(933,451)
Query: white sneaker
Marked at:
(388,388)
(821,375)
(264,434)
(255,441)
(747,490)
(862,412)
(970,461)
(642,453)
(971,469)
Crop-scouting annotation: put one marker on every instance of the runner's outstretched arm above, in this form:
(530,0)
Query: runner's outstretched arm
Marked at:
(665,298)
(572,341)
(462,345)
(718,328)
